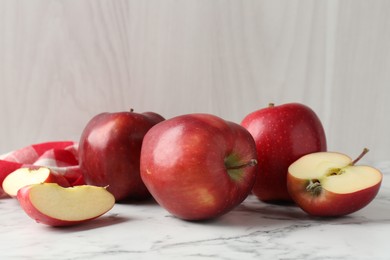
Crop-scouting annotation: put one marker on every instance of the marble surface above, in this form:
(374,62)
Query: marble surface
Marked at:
(254,230)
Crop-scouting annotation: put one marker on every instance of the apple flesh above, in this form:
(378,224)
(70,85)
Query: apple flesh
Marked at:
(330,184)
(198,166)
(282,134)
(6,168)
(53,205)
(26,176)
(109,152)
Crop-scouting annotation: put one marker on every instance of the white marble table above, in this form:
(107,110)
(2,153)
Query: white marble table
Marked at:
(253,230)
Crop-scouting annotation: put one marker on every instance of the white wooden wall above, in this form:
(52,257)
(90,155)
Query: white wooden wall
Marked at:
(62,62)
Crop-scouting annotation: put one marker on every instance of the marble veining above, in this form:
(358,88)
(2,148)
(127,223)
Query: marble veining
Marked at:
(254,230)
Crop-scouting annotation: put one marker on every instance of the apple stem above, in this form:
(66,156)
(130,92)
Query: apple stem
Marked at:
(271,104)
(251,163)
(365,150)
(131,110)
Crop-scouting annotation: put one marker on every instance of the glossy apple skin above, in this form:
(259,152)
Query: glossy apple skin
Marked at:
(329,204)
(57,178)
(109,152)
(183,165)
(282,134)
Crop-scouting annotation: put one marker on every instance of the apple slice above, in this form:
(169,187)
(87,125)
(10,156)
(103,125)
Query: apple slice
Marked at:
(26,176)
(330,184)
(53,205)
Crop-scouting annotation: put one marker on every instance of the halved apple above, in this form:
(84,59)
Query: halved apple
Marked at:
(27,176)
(330,184)
(53,205)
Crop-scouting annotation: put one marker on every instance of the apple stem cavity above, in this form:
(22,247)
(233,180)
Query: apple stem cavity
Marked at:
(314,187)
(339,171)
(365,150)
(251,163)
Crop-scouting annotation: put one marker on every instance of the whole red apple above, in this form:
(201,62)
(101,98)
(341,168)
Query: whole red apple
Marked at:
(282,134)
(330,184)
(198,166)
(109,152)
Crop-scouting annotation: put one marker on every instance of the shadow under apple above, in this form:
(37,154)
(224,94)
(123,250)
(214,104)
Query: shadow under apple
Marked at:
(100,222)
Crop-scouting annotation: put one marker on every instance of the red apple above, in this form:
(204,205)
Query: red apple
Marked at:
(109,152)
(330,184)
(26,176)
(198,166)
(156,118)
(282,134)
(51,204)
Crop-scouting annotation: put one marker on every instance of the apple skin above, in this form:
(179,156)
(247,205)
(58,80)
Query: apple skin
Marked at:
(109,152)
(184,164)
(330,184)
(329,204)
(282,134)
(23,197)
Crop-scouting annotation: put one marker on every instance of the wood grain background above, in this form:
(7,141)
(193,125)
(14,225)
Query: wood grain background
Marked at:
(62,62)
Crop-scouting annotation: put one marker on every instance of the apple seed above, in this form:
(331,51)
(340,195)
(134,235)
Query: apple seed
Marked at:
(335,171)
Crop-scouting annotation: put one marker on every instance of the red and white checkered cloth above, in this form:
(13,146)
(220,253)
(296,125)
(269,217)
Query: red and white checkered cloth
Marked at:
(61,157)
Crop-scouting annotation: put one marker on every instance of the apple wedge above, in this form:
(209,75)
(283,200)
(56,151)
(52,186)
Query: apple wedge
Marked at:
(330,184)
(26,176)
(53,205)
